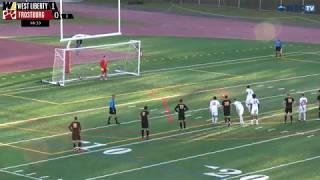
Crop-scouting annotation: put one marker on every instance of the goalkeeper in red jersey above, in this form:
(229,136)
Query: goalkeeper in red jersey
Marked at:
(104,67)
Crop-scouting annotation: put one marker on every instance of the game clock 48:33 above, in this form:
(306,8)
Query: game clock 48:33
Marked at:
(35,23)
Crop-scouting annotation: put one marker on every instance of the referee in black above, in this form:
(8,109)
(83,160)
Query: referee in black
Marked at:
(144,122)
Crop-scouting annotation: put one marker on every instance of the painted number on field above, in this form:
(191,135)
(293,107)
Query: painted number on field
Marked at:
(117,151)
(90,145)
(230,173)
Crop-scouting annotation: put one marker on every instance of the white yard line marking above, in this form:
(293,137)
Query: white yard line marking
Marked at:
(133,106)
(21,175)
(282,132)
(260,85)
(280,89)
(18,171)
(103,149)
(259,127)
(269,130)
(275,167)
(44,177)
(199,117)
(30,174)
(291,90)
(269,87)
(310,136)
(199,155)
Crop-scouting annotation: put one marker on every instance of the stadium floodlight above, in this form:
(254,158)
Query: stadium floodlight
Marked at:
(74,64)
(63,37)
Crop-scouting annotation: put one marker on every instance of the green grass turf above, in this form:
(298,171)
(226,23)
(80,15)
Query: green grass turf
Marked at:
(194,69)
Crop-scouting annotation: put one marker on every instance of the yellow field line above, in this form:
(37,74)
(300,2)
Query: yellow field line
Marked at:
(30,130)
(30,99)
(136,138)
(82,111)
(125,94)
(25,149)
(213,72)
(300,60)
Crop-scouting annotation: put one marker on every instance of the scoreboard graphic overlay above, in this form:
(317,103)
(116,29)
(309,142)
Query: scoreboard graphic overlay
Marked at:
(33,14)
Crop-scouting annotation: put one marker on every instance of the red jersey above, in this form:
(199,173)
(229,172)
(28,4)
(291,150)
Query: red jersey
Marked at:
(103,63)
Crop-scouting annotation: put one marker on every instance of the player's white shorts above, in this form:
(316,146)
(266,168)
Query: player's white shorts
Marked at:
(254,111)
(302,109)
(240,112)
(214,113)
(248,100)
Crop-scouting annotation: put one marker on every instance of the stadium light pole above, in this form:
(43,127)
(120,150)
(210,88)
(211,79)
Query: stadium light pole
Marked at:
(260,4)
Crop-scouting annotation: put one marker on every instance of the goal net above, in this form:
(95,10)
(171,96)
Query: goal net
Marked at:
(74,64)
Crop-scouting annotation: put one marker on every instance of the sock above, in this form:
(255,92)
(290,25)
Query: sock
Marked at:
(184,124)
(291,118)
(180,125)
(257,121)
(142,133)
(285,118)
(79,144)
(225,120)
(251,122)
(109,118)
(304,116)
(241,120)
(147,133)
(74,145)
(229,120)
(116,119)
(215,120)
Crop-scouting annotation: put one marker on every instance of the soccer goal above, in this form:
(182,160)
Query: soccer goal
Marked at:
(83,63)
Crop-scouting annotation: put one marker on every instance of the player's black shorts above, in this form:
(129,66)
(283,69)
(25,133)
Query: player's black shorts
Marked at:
(144,124)
(76,136)
(278,48)
(112,111)
(226,112)
(288,110)
(181,117)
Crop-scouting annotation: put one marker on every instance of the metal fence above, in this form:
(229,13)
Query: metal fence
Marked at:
(253,4)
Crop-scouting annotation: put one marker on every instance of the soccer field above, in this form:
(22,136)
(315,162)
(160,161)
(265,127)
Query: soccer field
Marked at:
(35,142)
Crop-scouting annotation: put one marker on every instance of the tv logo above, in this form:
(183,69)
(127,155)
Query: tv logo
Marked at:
(310,8)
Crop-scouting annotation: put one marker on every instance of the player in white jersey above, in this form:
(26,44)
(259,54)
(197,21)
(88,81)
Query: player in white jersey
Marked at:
(214,105)
(249,92)
(303,107)
(255,105)
(239,109)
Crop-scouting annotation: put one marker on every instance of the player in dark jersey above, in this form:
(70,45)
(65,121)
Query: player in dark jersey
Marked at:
(75,128)
(226,103)
(288,103)
(318,99)
(181,109)
(144,122)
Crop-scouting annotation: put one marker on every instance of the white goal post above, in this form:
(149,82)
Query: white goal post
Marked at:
(82,63)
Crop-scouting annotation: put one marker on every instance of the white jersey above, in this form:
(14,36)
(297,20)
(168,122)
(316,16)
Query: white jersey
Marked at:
(249,95)
(255,103)
(214,105)
(239,106)
(303,103)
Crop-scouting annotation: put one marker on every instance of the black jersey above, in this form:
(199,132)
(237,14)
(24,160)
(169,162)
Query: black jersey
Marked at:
(144,115)
(181,109)
(226,104)
(289,102)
